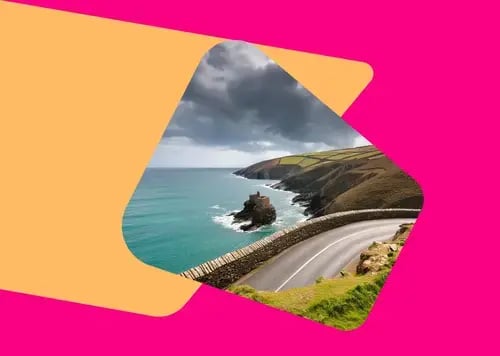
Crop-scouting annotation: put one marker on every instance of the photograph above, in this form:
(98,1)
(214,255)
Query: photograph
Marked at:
(259,189)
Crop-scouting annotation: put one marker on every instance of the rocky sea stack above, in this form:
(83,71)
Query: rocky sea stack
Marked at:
(258,210)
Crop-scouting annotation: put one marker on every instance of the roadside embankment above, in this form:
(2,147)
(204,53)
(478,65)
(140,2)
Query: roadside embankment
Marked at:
(227,269)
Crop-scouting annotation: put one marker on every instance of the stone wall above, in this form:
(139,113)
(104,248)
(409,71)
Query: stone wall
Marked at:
(227,269)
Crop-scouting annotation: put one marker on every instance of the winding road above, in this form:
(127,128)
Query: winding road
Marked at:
(325,254)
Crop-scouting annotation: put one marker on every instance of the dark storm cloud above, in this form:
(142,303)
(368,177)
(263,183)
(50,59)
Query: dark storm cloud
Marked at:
(217,57)
(237,97)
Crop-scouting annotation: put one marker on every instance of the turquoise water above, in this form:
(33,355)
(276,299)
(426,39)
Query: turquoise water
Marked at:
(178,219)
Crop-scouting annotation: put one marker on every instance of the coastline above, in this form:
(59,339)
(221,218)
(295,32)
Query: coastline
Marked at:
(303,203)
(300,199)
(157,221)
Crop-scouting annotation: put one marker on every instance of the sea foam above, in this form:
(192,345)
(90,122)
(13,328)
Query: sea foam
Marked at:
(226,221)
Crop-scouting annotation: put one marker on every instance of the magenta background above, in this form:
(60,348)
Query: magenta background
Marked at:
(427,108)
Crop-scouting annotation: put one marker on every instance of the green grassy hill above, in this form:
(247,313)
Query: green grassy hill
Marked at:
(339,180)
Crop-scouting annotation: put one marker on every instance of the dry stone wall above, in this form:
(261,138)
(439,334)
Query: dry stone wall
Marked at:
(227,269)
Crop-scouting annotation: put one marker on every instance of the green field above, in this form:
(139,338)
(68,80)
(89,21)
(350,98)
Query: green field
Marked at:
(291,160)
(367,155)
(306,162)
(302,161)
(309,160)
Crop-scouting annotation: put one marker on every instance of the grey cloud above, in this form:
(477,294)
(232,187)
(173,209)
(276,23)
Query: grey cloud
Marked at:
(237,97)
(217,57)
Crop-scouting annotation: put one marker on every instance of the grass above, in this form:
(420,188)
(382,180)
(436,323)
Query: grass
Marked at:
(302,161)
(344,154)
(333,155)
(343,302)
(316,165)
(291,160)
(349,310)
(307,301)
(366,155)
(306,162)
(379,190)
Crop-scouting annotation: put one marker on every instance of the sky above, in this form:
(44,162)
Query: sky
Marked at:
(241,108)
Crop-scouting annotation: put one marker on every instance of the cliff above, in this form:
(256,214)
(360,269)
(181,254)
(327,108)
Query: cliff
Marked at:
(340,180)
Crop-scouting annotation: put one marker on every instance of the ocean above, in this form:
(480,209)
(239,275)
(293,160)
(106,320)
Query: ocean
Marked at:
(177,217)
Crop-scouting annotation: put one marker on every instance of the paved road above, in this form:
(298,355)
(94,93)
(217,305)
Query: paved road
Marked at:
(325,255)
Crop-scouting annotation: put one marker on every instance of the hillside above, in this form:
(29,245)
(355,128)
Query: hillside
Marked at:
(339,180)
(342,301)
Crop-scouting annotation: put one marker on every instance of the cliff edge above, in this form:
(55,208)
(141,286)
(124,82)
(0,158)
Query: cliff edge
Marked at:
(340,180)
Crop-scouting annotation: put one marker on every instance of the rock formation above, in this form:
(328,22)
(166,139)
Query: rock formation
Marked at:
(379,254)
(258,210)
